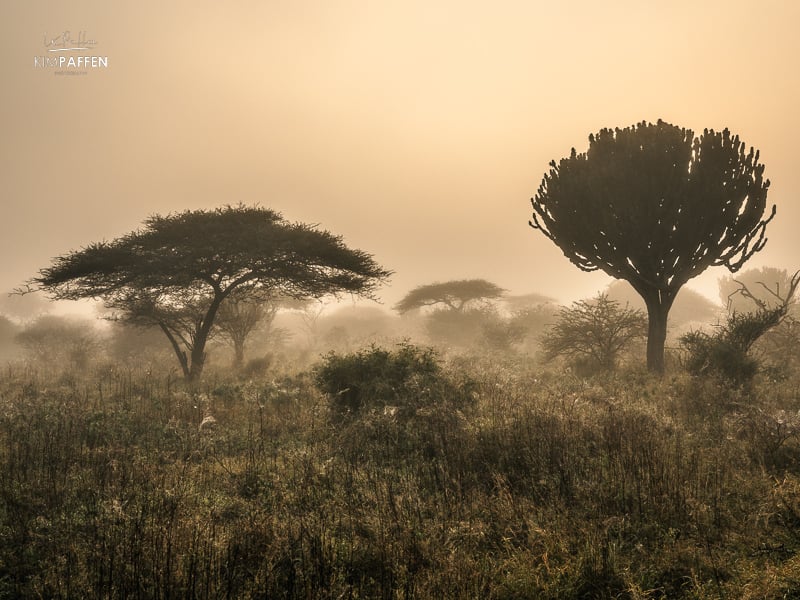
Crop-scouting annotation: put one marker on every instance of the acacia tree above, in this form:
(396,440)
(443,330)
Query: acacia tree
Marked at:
(462,311)
(455,295)
(655,206)
(238,317)
(597,330)
(177,271)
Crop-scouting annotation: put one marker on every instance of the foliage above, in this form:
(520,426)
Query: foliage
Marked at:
(375,379)
(60,342)
(533,321)
(523,302)
(726,353)
(503,334)
(143,346)
(655,206)
(176,272)
(455,295)
(239,316)
(715,354)
(596,330)
(779,346)
(460,329)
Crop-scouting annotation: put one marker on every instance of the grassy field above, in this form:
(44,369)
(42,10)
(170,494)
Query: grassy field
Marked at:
(119,484)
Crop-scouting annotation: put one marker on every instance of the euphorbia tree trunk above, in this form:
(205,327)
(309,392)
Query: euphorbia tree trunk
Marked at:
(658,306)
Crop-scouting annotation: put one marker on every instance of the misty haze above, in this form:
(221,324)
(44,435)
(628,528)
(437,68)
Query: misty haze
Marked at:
(399,300)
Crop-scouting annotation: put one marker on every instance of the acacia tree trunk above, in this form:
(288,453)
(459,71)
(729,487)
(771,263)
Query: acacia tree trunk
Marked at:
(198,361)
(238,353)
(201,335)
(658,305)
(182,359)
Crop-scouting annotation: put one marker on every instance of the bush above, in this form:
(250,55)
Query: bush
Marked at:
(594,333)
(715,355)
(374,379)
(726,352)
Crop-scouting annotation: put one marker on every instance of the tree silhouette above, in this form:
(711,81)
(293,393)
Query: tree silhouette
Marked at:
(767,284)
(689,306)
(655,206)
(597,330)
(455,295)
(726,352)
(177,271)
(239,316)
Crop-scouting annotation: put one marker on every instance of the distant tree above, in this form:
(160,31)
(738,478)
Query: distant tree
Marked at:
(458,328)
(525,302)
(528,316)
(780,345)
(595,331)
(655,206)
(177,271)
(239,316)
(533,321)
(501,333)
(766,284)
(452,295)
(689,306)
(57,341)
(143,346)
(310,313)
(352,327)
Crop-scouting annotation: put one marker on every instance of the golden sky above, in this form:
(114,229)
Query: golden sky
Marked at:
(418,130)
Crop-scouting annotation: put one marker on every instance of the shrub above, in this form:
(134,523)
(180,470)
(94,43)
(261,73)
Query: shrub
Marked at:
(594,333)
(374,379)
(715,355)
(726,352)
(60,343)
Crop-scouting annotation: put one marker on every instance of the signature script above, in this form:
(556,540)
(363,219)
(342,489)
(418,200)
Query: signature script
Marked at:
(65,41)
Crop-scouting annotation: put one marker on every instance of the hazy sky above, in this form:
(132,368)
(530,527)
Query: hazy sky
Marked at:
(418,130)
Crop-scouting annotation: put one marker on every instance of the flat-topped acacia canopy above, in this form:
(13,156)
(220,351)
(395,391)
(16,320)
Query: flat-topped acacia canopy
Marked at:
(176,270)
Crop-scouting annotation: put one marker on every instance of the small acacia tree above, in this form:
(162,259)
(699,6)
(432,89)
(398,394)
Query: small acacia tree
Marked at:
(239,316)
(177,271)
(454,295)
(655,206)
(461,309)
(596,331)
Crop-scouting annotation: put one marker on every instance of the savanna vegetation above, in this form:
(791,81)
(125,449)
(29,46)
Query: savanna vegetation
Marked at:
(477,445)
(396,472)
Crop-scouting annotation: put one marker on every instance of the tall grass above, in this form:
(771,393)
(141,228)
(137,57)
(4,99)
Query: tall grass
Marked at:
(546,486)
